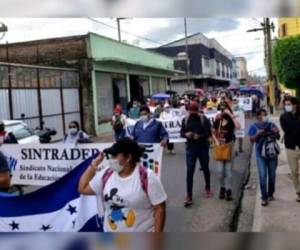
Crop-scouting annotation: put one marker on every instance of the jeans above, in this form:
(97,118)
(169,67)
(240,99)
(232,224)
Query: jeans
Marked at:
(120,134)
(192,154)
(224,169)
(267,176)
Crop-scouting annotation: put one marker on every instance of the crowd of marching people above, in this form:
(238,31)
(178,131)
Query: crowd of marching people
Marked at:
(127,186)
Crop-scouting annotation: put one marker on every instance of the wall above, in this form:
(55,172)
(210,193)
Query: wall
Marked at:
(292,26)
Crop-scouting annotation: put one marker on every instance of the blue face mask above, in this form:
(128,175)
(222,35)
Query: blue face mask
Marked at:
(144,118)
(288,108)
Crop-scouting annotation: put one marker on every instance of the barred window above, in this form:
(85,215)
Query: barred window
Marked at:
(22,77)
(3,76)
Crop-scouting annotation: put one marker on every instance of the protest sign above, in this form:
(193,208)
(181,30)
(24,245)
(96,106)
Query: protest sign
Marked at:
(42,164)
(245,103)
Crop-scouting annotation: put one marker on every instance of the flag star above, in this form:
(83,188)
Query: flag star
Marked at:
(45,228)
(71,209)
(14,225)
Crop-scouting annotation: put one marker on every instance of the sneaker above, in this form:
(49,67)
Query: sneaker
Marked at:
(208,193)
(188,202)
(222,193)
(298,198)
(229,195)
(264,203)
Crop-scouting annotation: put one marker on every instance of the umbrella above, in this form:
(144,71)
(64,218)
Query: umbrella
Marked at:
(233,87)
(252,91)
(161,96)
(199,91)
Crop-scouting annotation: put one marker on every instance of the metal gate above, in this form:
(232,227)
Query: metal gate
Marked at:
(41,96)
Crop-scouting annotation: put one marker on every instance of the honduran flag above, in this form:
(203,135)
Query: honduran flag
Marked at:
(57,207)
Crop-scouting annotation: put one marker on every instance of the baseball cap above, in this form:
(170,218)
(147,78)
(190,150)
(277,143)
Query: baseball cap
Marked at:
(193,106)
(125,146)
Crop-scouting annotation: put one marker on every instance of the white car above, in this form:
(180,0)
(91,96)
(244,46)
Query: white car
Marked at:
(21,131)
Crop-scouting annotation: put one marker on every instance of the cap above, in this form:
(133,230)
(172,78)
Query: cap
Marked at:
(193,106)
(125,146)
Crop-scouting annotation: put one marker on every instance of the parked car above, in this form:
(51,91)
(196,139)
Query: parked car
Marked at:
(21,132)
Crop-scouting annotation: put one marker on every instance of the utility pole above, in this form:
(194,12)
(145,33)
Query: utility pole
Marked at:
(119,27)
(267,27)
(187,55)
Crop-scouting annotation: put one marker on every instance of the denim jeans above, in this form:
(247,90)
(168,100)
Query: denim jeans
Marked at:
(192,154)
(267,176)
(120,134)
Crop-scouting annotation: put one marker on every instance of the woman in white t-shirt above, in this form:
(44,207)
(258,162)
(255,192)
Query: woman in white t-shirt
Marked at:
(133,196)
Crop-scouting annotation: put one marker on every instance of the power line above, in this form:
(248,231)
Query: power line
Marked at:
(124,31)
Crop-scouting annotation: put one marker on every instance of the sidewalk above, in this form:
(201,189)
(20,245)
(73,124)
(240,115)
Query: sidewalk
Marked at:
(282,214)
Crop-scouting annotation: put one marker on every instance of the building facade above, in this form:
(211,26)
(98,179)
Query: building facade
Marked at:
(210,65)
(109,72)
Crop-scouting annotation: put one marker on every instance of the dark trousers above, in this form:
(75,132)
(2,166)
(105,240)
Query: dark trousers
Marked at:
(170,146)
(120,134)
(192,154)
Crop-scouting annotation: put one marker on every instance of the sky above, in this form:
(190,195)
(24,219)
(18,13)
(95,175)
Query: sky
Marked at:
(149,32)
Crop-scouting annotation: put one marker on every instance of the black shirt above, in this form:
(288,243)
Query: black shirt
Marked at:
(198,124)
(224,133)
(290,124)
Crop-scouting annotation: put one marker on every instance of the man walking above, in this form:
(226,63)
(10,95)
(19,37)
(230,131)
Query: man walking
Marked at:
(290,124)
(196,129)
(149,130)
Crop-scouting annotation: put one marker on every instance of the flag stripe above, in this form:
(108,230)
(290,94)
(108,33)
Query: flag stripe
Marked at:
(47,199)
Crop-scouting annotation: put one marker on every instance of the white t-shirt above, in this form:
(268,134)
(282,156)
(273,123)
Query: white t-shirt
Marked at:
(127,208)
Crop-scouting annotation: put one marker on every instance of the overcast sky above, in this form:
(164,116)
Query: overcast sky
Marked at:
(149,32)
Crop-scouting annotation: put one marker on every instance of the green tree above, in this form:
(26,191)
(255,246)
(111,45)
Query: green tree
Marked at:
(286,61)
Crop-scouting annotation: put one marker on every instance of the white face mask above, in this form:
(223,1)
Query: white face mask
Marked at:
(265,119)
(115,165)
(288,108)
(144,118)
(73,131)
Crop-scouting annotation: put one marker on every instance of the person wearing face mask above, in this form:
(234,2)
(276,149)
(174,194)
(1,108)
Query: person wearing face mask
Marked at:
(290,124)
(118,123)
(134,111)
(75,134)
(259,132)
(149,130)
(133,197)
(223,133)
(196,129)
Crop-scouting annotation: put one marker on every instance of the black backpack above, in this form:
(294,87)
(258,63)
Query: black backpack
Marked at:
(118,125)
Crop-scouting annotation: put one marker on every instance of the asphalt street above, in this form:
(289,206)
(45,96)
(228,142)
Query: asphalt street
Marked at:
(206,214)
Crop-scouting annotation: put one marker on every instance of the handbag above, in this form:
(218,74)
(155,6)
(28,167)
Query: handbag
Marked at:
(222,152)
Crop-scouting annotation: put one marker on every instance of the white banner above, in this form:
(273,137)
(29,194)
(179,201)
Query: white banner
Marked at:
(245,103)
(42,164)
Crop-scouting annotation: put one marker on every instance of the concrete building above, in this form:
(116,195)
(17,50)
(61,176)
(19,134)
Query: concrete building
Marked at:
(210,63)
(109,72)
(241,68)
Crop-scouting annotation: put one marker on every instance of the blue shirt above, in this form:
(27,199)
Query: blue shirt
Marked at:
(153,133)
(258,126)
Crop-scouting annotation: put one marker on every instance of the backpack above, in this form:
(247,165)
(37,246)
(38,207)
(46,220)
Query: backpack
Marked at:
(118,125)
(270,148)
(186,119)
(142,173)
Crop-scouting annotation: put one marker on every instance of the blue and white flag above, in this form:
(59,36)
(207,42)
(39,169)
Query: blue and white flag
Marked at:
(57,207)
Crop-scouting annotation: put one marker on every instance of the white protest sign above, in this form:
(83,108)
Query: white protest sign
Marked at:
(240,116)
(245,103)
(42,164)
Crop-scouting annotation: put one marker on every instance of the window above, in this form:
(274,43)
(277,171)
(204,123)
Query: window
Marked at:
(23,77)
(283,30)
(206,61)
(49,78)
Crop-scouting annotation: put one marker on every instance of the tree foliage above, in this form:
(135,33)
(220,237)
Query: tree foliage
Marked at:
(286,61)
